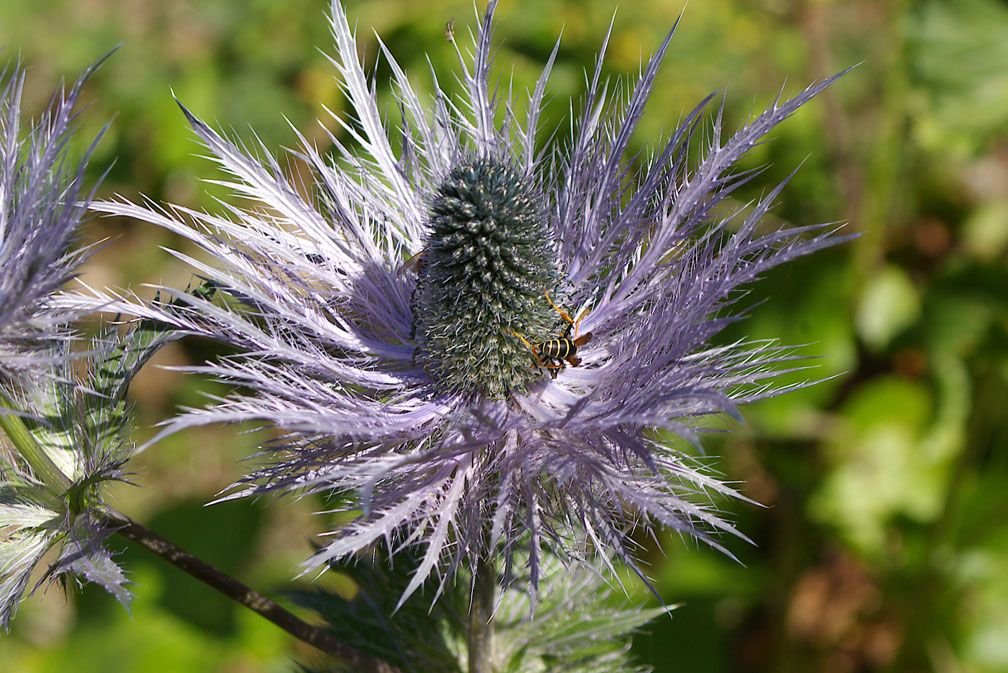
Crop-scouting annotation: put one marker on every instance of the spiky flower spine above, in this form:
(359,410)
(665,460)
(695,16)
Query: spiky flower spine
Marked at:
(41,205)
(580,624)
(487,266)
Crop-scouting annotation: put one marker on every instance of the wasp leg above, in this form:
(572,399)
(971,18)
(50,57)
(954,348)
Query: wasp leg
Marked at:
(557,309)
(530,347)
(575,324)
(554,367)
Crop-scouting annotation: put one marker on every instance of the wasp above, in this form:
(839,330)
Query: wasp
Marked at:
(553,353)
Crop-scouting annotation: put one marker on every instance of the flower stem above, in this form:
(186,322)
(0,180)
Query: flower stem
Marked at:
(253,600)
(41,464)
(481,625)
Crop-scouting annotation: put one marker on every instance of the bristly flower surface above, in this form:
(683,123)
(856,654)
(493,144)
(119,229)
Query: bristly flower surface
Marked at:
(488,262)
(41,206)
(439,399)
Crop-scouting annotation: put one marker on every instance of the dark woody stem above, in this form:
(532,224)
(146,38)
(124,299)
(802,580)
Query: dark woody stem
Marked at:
(58,484)
(253,600)
(481,626)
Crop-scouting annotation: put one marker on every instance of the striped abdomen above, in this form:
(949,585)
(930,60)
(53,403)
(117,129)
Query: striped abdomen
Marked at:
(557,349)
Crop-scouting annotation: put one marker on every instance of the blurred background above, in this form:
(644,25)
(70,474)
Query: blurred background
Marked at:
(882,546)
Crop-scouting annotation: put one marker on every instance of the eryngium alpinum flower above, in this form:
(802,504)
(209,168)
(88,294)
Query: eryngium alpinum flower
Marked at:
(40,209)
(407,389)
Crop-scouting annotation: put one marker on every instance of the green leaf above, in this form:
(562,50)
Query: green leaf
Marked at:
(893,453)
(889,304)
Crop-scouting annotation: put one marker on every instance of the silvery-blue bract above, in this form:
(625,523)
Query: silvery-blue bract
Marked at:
(40,209)
(406,391)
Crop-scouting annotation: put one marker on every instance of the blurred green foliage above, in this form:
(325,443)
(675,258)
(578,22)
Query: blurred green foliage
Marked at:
(883,546)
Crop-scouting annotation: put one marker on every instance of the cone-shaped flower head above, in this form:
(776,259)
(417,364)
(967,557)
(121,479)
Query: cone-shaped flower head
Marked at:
(488,260)
(456,401)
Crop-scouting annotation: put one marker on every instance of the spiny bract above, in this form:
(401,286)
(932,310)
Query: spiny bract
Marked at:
(41,206)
